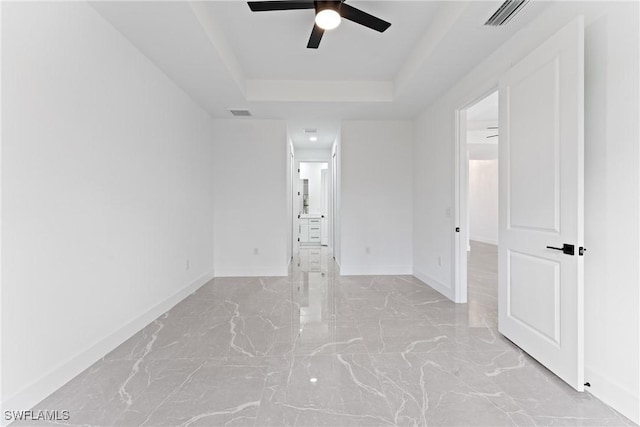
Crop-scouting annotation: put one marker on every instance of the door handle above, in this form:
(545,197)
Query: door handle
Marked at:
(566,249)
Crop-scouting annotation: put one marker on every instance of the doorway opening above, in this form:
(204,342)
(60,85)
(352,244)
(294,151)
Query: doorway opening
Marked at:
(313,184)
(313,204)
(477,196)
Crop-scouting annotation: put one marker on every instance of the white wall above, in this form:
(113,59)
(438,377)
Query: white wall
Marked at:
(611,185)
(106,193)
(376,201)
(306,154)
(433,198)
(483,201)
(612,205)
(251,211)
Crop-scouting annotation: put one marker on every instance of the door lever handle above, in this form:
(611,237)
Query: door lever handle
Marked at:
(566,249)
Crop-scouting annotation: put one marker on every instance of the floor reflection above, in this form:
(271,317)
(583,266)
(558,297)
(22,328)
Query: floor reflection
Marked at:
(316,296)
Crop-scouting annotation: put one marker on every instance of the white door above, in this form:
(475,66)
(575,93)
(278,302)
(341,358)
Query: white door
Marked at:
(541,204)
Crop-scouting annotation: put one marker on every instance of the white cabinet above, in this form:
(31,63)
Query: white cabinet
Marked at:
(314,230)
(310,231)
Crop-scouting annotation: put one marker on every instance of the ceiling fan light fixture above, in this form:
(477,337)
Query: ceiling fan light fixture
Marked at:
(328,19)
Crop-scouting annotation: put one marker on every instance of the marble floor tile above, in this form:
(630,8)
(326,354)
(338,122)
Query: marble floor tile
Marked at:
(98,395)
(326,389)
(329,337)
(219,392)
(404,336)
(438,389)
(319,349)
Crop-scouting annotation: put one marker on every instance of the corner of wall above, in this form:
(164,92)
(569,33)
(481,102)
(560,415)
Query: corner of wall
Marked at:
(626,401)
(437,285)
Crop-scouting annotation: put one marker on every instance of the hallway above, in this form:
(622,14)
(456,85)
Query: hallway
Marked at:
(315,348)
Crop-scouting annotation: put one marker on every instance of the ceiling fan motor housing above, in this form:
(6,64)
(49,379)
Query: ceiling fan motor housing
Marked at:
(323,5)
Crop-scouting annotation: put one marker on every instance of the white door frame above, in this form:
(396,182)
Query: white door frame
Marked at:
(334,190)
(292,196)
(294,206)
(461,193)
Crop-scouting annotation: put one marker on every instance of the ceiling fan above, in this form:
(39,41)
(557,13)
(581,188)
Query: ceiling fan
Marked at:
(328,15)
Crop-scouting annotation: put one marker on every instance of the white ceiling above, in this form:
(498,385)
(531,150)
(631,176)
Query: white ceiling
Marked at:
(272,45)
(224,56)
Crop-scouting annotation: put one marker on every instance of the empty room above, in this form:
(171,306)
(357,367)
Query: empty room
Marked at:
(320,213)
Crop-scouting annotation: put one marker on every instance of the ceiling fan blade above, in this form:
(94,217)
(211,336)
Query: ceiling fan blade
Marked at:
(363,18)
(267,6)
(316,36)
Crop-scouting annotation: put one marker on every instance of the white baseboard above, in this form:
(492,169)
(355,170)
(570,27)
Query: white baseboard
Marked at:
(623,400)
(375,270)
(434,283)
(35,392)
(253,271)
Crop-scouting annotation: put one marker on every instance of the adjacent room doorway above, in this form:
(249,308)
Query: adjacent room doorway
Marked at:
(478,181)
(540,204)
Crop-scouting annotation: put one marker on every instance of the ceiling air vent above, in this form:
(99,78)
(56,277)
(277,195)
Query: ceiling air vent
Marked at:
(310,130)
(240,113)
(505,12)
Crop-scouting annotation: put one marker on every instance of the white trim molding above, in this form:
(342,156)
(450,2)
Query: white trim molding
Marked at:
(375,270)
(266,271)
(437,285)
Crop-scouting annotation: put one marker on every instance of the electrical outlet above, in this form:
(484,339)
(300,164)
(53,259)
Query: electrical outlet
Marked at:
(255,251)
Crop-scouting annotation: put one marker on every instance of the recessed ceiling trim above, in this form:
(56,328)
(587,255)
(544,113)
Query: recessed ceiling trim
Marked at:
(319,91)
(446,17)
(219,42)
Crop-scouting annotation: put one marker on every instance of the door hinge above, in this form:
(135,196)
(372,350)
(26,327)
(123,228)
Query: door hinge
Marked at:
(298,193)
(581,251)
(457,229)
(298,170)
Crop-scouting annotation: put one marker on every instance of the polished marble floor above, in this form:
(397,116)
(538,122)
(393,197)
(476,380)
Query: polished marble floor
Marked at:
(319,349)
